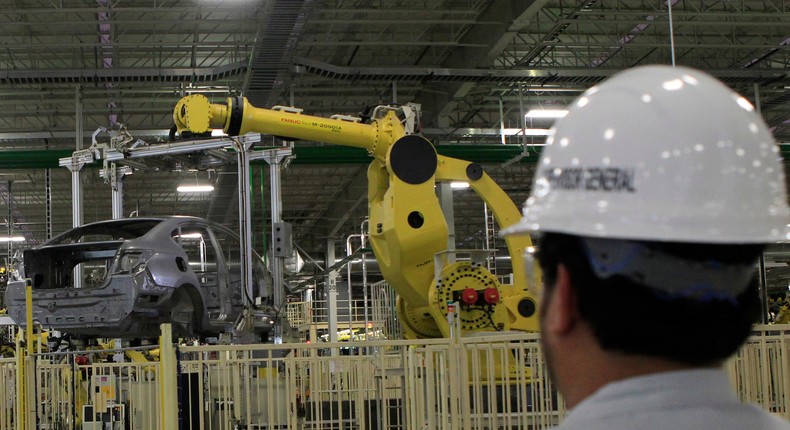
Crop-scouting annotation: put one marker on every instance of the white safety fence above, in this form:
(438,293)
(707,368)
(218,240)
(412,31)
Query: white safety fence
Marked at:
(491,382)
(81,390)
(378,314)
(479,383)
(760,372)
(385,319)
(225,387)
(74,395)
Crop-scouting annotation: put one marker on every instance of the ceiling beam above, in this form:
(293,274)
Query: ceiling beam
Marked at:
(73,76)
(513,15)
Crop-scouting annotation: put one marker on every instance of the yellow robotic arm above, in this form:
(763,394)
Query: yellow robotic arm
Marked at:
(407,226)
(195,115)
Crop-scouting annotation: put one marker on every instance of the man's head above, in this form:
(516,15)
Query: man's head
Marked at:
(653,199)
(660,299)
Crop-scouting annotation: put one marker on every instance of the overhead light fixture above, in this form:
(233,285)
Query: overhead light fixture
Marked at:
(546,113)
(458,185)
(195,188)
(536,132)
(12,239)
(525,131)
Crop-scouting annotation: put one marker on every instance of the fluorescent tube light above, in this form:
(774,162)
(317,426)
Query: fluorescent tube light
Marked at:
(195,188)
(525,131)
(546,113)
(459,185)
(12,239)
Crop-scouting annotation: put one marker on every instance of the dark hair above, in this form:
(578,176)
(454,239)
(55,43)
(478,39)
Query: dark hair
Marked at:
(634,319)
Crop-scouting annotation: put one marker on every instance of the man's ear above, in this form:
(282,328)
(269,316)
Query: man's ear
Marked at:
(562,313)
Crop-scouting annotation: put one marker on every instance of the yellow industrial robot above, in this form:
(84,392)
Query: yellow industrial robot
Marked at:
(407,226)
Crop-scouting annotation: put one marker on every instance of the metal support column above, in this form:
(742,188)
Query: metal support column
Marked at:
(76,184)
(76,197)
(277,159)
(502,120)
(10,222)
(522,115)
(114,174)
(331,292)
(48,203)
(78,117)
(76,211)
(310,299)
(117,193)
(245,215)
(395,92)
(76,190)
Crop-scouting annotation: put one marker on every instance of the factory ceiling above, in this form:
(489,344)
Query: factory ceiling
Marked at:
(475,67)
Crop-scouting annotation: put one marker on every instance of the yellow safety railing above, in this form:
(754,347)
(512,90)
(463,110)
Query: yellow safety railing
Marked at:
(299,314)
(317,312)
(496,381)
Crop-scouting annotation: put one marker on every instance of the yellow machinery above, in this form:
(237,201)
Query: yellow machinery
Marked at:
(407,227)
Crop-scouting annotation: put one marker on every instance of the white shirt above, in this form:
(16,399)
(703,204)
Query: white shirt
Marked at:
(688,399)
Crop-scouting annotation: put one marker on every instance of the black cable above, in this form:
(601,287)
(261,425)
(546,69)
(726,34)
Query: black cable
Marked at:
(490,314)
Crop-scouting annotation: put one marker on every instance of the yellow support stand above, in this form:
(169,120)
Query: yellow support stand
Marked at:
(168,386)
(29,317)
(20,386)
(25,370)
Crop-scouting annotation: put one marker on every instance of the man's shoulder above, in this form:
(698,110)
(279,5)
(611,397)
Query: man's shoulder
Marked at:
(695,398)
(737,418)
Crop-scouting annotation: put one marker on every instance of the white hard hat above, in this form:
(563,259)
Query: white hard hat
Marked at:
(658,153)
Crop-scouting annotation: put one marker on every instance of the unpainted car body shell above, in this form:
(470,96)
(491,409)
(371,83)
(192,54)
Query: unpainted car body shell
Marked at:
(131,303)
